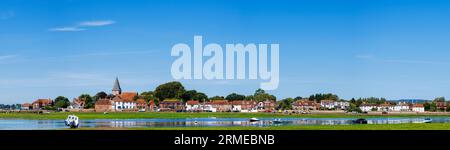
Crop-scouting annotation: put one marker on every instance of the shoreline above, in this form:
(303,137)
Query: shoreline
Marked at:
(175,115)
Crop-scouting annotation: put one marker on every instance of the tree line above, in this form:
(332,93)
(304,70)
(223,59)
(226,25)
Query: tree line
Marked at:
(176,90)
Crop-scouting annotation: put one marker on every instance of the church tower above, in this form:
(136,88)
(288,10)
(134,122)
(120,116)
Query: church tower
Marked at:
(116,89)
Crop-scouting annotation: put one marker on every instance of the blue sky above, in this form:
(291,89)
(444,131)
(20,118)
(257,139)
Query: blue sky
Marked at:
(383,48)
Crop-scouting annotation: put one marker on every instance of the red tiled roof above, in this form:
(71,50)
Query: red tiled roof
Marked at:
(128,95)
(418,105)
(78,101)
(119,99)
(43,101)
(192,102)
(219,102)
(26,105)
(141,101)
(326,101)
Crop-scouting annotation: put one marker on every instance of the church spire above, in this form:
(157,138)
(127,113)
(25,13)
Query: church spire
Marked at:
(116,89)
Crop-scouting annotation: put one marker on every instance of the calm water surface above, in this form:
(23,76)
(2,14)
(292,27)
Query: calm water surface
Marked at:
(19,124)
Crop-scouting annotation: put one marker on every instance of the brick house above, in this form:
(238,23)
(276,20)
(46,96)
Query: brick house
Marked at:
(26,106)
(141,105)
(221,105)
(104,105)
(152,106)
(171,105)
(244,106)
(266,106)
(305,105)
(441,105)
(41,103)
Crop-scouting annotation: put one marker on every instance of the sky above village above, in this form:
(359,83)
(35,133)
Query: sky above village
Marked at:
(353,48)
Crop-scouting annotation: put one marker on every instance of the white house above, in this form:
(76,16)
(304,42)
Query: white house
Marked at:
(120,104)
(193,106)
(328,104)
(367,107)
(209,108)
(341,104)
(402,106)
(236,108)
(418,108)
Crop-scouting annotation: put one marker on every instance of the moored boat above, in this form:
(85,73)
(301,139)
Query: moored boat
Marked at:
(360,121)
(427,120)
(254,119)
(72,121)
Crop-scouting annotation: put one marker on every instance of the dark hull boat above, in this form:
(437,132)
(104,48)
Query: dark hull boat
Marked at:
(360,121)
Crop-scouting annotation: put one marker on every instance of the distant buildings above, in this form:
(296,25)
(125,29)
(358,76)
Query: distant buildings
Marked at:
(418,108)
(26,106)
(334,105)
(305,105)
(41,103)
(171,105)
(130,101)
(399,107)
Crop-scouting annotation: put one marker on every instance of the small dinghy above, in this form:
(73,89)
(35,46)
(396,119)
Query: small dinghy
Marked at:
(72,121)
(427,120)
(254,119)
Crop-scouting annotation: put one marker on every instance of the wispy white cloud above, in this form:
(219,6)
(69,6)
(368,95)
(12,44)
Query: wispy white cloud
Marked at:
(67,29)
(4,57)
(82,26)
(97,23)
(7,15)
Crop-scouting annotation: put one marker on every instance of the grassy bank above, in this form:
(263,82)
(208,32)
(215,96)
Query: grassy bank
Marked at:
(408,126)
(149,115)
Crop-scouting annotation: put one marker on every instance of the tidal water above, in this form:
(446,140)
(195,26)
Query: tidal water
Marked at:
(19,124)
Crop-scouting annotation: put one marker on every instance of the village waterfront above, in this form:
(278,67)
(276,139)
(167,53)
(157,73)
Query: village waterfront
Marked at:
(172,107)
(222,121)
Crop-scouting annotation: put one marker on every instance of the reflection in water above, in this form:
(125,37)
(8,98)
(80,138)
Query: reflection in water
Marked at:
(17,124)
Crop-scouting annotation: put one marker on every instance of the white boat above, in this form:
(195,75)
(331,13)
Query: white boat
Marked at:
(427,120)
(254,119)
(72,121)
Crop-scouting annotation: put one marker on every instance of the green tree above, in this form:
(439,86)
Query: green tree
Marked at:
(285,104)
(261,95)
(433,107)
(298,98)
(99,95)
(259,91)
(234,96)
(61,102)
(88,100)
(169,90)
(427,106)
(249,97)
(439,99)
(200,97)
(188,95)
(148,96)
(319,97)
(217,98)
